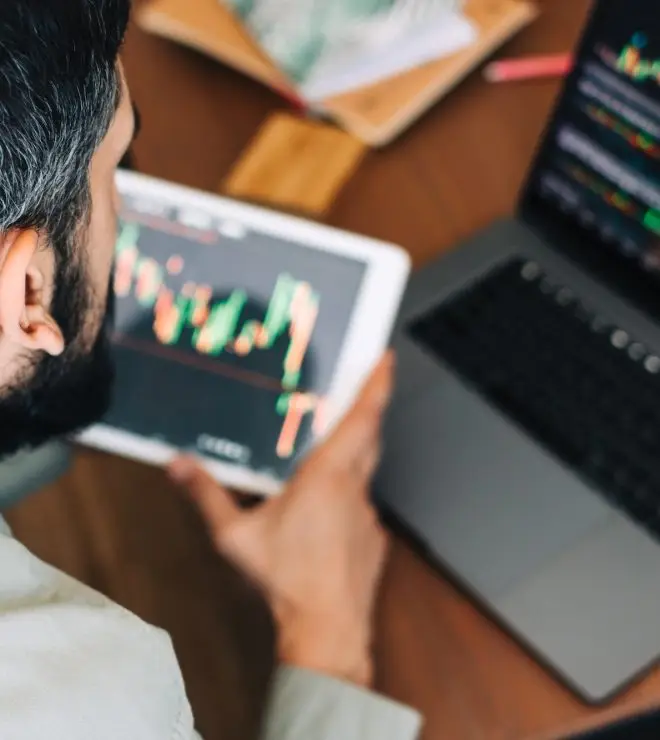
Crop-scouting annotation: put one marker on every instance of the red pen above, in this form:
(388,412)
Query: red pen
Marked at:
(527,68)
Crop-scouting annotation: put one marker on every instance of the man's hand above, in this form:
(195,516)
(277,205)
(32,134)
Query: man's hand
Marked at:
(317,550)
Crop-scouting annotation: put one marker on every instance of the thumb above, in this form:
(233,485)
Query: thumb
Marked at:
(215,503)
(360,429)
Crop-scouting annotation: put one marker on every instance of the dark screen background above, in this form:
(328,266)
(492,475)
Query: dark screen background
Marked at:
(177,395)
(598,171)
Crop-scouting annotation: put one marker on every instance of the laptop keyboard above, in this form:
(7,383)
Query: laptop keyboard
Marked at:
(580,386)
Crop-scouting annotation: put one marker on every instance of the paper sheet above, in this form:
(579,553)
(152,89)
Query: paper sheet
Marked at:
(327,48)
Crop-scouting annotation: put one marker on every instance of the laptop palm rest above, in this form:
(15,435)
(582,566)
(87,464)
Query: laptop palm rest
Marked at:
(486,499)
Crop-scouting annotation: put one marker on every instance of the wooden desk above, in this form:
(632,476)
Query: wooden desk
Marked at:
(122,528)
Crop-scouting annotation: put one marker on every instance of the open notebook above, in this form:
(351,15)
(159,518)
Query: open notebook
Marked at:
(329,48)
(375,112)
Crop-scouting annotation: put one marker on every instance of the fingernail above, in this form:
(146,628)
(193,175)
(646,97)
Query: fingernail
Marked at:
(180,470)
(384,391)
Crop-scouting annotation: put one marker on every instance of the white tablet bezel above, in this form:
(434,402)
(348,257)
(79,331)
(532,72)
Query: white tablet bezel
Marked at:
(387,270)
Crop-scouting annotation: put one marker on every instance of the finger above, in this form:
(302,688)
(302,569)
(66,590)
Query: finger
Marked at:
(214,502)
(358,434)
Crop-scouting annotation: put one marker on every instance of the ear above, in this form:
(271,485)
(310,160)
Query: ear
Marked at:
(25,319)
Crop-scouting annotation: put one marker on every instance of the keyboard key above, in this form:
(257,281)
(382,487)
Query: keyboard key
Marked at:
(583,388)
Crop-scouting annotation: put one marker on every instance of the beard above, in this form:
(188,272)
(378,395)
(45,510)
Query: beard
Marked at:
(58,396)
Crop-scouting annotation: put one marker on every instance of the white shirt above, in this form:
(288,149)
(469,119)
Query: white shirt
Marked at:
(76,666)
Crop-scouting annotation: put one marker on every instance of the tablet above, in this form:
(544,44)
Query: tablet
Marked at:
(241,335)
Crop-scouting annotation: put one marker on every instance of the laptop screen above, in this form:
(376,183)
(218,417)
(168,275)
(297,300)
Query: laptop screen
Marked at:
(596,182)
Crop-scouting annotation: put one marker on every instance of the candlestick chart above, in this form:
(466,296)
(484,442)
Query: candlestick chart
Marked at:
(639,140)
(187,314)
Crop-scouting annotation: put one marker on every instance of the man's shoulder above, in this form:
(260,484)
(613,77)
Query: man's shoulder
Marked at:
(75,665)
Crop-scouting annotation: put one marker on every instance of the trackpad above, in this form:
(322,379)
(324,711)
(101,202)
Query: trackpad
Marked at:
(593,611)
(481,494)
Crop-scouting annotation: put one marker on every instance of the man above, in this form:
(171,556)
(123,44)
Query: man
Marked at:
(75,666)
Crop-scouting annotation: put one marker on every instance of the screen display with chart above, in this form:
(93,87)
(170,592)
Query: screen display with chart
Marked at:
(599,169)
(226,339)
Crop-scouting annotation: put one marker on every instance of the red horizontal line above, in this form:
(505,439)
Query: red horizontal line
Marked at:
(199,362)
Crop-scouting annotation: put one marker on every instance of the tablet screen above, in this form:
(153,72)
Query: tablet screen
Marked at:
(226,339)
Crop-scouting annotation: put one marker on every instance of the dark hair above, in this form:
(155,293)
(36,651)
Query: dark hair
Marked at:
(59,90)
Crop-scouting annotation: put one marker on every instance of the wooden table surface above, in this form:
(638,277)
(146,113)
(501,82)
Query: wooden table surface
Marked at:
(122,528)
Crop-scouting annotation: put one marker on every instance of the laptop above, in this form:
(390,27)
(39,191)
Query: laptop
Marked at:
(641,727)
(523,444)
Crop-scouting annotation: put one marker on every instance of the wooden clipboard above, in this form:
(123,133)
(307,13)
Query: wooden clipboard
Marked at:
(375,114)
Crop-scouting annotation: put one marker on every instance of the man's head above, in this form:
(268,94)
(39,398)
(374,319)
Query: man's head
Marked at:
(65,122)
